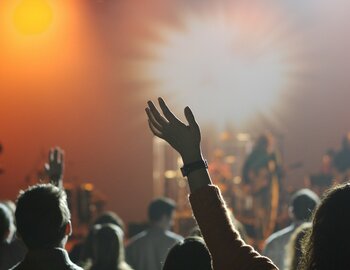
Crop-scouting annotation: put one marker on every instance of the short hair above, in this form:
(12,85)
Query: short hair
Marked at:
(42,215)
(303,203)
(6,221)
(160,207)
(189,254)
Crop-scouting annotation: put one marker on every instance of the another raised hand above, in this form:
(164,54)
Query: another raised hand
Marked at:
(55,166)
(184,138)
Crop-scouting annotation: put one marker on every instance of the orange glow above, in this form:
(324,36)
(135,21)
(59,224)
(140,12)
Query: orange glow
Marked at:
(41,58)
(33,17)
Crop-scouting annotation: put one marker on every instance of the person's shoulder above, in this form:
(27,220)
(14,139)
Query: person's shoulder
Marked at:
(279,235)
(136,238)
(174,236)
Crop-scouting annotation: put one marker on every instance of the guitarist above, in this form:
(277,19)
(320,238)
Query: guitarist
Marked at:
(261,177)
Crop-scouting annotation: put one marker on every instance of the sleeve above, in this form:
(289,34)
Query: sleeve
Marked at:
(227,249)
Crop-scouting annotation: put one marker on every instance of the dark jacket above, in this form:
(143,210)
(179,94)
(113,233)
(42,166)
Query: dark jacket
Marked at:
(47,259)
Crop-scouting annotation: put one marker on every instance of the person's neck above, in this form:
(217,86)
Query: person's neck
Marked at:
(159,226)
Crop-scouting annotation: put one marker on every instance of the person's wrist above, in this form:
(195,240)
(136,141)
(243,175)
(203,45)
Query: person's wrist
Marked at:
(187,169)
(191,156)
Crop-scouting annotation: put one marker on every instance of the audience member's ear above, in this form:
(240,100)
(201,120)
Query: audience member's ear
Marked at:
(68,230)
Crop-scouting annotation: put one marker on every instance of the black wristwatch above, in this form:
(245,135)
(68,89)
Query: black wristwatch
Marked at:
(188,168)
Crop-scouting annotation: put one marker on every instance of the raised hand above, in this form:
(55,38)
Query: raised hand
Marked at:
(55,166)
(185,139)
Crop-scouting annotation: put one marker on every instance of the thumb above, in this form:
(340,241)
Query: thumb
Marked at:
(190,118)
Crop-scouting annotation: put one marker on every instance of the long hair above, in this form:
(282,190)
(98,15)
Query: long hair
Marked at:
(326,246)
(108,248)
(189,254)
(293,248)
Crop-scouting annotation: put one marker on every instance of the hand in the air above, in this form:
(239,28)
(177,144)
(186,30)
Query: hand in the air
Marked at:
(183,138)
(55,166)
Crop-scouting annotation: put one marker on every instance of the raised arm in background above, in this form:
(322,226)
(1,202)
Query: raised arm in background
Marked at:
(55,166)
(228,250)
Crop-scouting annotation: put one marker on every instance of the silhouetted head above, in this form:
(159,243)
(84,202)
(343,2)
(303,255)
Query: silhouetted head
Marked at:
(262,142)
(6,222)
(303,203)
(43,217)
(327,245)
(108,248)
(110,217)
(189,254)
(160,212)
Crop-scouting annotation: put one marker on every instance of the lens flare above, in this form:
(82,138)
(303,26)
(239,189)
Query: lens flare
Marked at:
(228,65)
(32,17)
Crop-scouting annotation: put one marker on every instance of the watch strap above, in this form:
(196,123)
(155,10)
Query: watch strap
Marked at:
(188,168)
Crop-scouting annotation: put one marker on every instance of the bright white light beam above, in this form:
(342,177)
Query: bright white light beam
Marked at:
(230,67)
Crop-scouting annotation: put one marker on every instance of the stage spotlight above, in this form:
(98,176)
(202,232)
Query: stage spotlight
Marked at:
(230,65)
(32,17)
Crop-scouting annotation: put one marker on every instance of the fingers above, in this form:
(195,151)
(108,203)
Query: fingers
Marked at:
(190,118)
(157,116)
(155,131)
(56,155)
(167,113)
(153,120)
(51,155)
(60,156)
(47,167)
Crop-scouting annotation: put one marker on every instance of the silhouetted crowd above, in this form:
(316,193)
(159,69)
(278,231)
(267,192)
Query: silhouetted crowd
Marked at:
(35,230)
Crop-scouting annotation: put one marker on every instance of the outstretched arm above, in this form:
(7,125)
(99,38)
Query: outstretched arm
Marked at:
(228,250)
(55,166)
